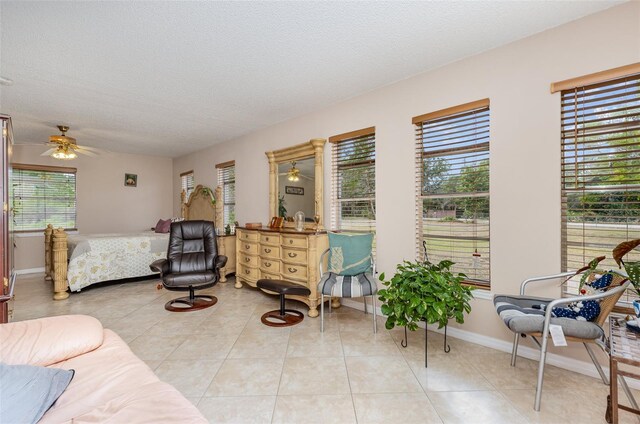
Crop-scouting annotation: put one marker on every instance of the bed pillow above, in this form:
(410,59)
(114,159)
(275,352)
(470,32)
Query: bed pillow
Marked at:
(350,254)
(29,391)
(163,226)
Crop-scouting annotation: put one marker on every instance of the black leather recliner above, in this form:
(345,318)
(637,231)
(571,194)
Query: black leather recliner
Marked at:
(192,264)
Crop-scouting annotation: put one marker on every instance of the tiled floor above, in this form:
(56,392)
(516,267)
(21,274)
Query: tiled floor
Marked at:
(237,370)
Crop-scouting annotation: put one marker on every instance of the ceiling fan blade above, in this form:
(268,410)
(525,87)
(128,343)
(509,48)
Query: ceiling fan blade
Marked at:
(86,152)
(48,152)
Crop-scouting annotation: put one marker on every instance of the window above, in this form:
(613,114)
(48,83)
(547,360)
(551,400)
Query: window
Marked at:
(600,169)
(227,180)
(452,188)
(44,195)
(353,187)
(188,184)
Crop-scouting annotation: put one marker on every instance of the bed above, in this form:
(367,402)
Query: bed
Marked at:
(76,261)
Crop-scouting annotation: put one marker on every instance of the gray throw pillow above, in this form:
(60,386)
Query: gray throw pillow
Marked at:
(27,391)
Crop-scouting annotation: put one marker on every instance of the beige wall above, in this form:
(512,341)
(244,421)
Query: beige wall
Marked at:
(525,145)
(105,205)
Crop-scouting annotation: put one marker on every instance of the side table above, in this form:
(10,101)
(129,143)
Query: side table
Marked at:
(624,348)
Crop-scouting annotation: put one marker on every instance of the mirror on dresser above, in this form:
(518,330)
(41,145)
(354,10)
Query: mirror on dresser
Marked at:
(296,181)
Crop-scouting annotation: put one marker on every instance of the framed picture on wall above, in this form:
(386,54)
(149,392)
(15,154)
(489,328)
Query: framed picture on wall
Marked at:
(130,180)
(294,190)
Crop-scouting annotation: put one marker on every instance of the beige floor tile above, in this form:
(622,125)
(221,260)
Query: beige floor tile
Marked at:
(318,376)
(360,343)
(191,378)
(447,373)
(260,344)
(198,346)
(314,344)
(239,377)
(314,409)
(381,374)
(155,347)
(238,410)
(153,363)
(476,407)
(387,408)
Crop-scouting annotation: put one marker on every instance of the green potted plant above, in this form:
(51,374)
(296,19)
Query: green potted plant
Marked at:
(423,291)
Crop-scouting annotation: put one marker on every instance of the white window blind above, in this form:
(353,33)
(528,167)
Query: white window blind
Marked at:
(452,188)
(43,195)
(353,186)
(187,184)
(600,170)
(227,180)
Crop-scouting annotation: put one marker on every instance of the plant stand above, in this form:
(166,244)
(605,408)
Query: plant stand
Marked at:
(405,342)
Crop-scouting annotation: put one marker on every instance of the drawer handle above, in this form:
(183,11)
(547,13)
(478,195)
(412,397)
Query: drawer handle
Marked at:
(266,238)
(267,264)
(292,270)
(246,271)
(247,246)
(290,241)
(247,259)
(267,250)
(292,255)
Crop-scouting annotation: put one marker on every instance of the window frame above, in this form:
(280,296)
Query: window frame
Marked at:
(441,116)
(586,120)
(221,169)
(184,184)
(17,167)
(367,138)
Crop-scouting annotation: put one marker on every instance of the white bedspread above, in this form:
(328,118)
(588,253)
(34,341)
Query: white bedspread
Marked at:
(105,257)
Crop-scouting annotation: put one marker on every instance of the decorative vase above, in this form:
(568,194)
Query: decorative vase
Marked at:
(299,220)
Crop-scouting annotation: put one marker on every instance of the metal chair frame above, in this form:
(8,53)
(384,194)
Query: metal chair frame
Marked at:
(617,291)
(373,296)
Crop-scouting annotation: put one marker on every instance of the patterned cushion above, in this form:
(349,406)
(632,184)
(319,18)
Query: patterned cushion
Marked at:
(332,284)
(520,316)
(350,254)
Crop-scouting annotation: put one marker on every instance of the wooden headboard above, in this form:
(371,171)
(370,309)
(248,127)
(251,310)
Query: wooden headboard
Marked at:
(203,204)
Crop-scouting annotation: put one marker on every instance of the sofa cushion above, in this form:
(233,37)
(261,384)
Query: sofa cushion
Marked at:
(46,341)
(113,385)
(27,391)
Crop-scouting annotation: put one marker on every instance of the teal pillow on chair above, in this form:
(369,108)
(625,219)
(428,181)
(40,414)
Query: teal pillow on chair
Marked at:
(350,254)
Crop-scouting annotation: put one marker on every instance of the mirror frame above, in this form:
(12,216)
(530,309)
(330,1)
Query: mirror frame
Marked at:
(313,148)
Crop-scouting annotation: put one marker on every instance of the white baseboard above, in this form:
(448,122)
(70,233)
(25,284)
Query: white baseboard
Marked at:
(560,361)
(29,271)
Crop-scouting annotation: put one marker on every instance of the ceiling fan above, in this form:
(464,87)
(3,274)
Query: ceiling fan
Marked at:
(65,148)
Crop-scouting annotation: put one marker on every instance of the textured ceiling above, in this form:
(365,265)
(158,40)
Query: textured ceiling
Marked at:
(171,78)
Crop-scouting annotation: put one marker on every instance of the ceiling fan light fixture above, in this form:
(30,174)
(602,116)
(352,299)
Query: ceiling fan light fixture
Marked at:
(294,173)
(64,153)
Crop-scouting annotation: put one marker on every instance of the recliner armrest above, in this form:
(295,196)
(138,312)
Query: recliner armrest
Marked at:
(221,261)
(161,266)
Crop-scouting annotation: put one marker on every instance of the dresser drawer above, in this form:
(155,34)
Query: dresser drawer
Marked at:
(270,238)
(269,265)
(248,273)
(248,260)
(268,251)
(249,236)
(294,255)
(294,271)
(294,241)
(248,247)
(269,275)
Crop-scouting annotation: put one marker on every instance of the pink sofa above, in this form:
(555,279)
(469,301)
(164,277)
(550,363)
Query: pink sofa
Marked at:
(110,385)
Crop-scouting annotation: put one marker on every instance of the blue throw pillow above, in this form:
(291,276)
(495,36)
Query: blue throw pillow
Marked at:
(350,254)
(29,391)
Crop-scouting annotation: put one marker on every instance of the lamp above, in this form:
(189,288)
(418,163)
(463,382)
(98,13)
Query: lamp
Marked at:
(64,153)
(294,173)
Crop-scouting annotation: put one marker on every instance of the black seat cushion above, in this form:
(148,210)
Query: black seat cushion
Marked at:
(186,279)
(283,287)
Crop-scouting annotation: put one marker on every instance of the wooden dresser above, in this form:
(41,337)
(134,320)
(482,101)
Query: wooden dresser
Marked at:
(283,254)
